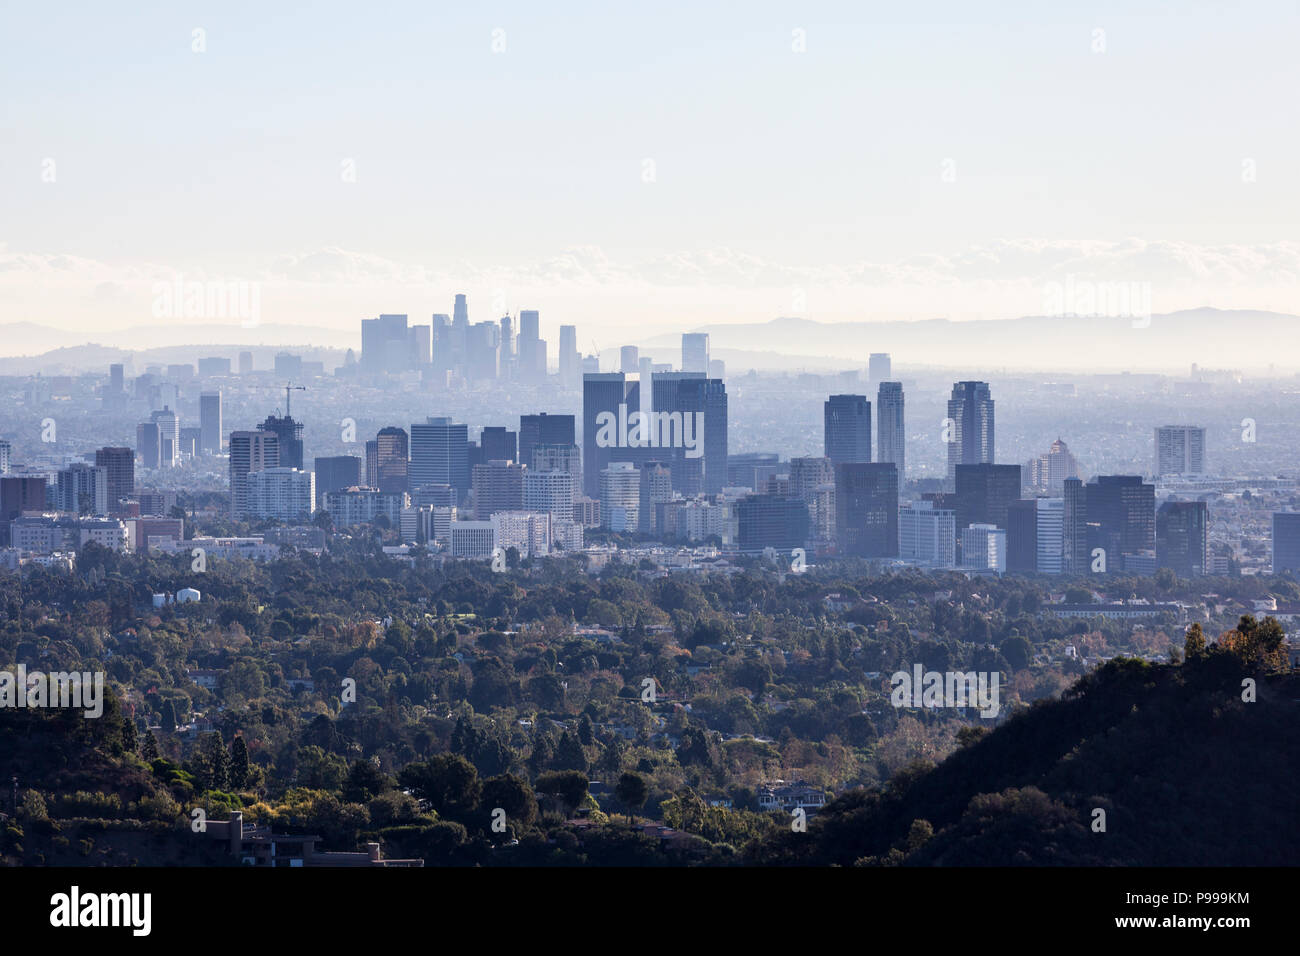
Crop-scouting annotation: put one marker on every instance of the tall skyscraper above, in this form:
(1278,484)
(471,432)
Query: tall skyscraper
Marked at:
(386,345)
(444,354)
(1180,450)
(891,432)
(249,451)
(614,393)
(702,469)
(392,460)
(169,437)
(212,440)
(866,509)
(879,368)
(970,426)
(695,352)
(847,429)
(1075,558)
(629,360)
(569,358)
(440,455)
(119,468)
(532,353)
(543,429)
(1182,537)
(1286,542)
(6,454)
(148,444)
(245,363)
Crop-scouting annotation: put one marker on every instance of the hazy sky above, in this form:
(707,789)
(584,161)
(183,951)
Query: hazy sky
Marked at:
(645,166)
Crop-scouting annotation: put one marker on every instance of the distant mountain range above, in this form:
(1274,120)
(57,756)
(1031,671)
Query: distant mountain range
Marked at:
(1212,338)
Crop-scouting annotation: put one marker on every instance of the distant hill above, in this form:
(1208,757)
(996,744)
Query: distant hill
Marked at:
(1210,337)
(1186,772)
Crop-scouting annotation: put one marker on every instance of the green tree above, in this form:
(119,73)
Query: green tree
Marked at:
(168,720)
(512,795)
(569,785)
(446,783)
(364,782)
(149,747)
(239,766)
(1194,645)
(632,791)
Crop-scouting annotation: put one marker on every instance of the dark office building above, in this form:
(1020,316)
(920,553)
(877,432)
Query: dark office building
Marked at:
(119,464)
(1122,512)
(613,393)
(18,494)
(392,460)
(752,469)
(498,486)
(289,432)
(1182,529)
(1286,542)
(702,469)
(148,444)
(866,509)
(1074,529)
(1022,536)
(337,473)
(498,444)
(984,493)
(772,521)
(543,429)
(847,428)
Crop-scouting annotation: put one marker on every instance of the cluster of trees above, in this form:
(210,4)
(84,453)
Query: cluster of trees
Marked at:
(361,698)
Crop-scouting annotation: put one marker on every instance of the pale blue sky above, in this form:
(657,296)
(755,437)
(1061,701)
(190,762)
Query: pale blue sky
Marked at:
(523,169)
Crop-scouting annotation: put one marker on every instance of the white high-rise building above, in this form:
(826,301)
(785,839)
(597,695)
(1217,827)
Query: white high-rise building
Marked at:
(529,532)
(473,539)
(1180,450)
(6,453)
(620,496)
(1051,535)
(891,444)
(927,535)
(286,494)
(549,491)
(984,548)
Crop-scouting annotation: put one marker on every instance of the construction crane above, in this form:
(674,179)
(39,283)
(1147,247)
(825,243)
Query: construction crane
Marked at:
(288,387)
